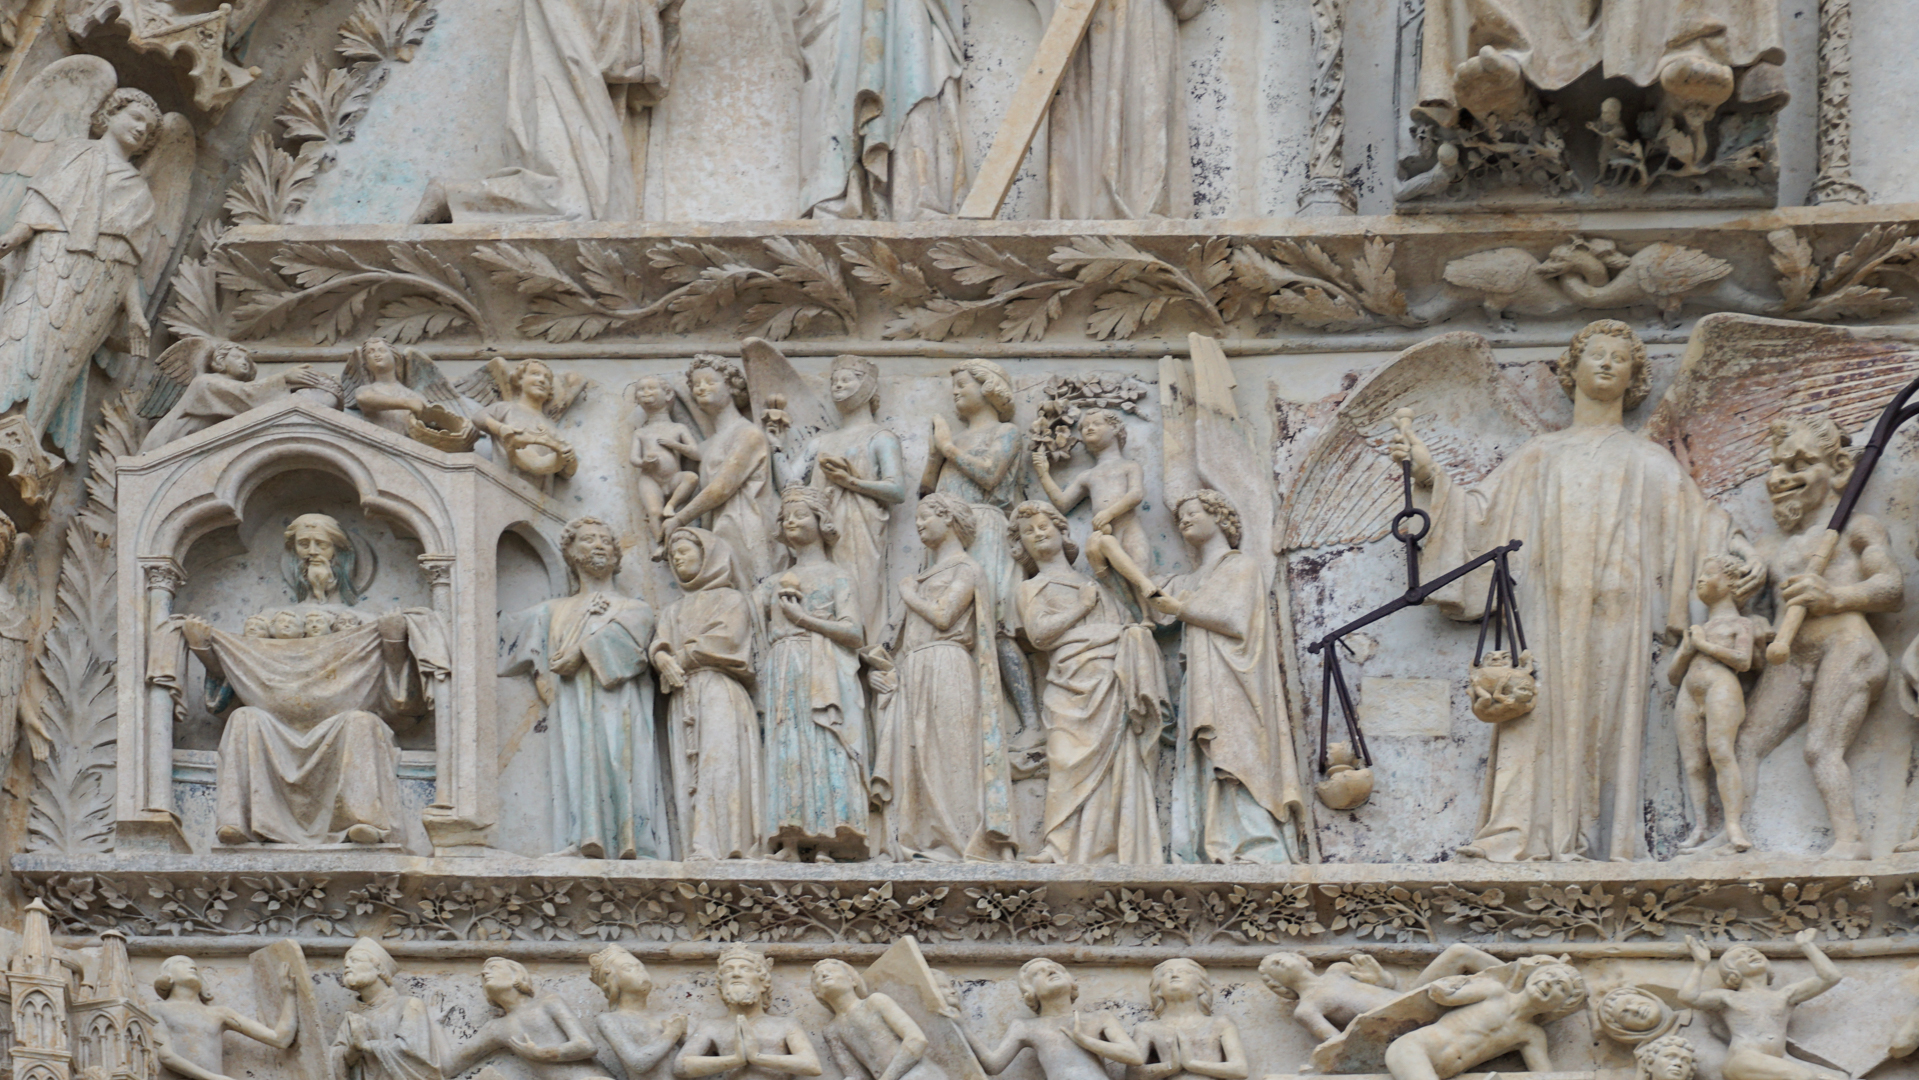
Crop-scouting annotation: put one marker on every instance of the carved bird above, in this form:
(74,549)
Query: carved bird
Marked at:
(1505,281)
(1444,174)
(1663,274)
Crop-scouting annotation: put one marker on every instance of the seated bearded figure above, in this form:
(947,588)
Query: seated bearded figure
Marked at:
(309,758)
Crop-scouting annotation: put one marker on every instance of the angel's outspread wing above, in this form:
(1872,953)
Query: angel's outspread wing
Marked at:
(56,105)
(168,168)
(177,366)
(567,389)
(771,377)
(1741,372)
(418,371)
(1347,490)
(489,384)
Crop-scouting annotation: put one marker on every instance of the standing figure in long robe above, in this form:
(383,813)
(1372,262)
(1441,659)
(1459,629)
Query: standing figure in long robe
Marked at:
(815,707)
(859,467)
(574,70)
(941,770)
(1236,784)
(704,653)
(1116,145)
(385,1035)
(1613,531)
(588,652)
(980,464)
(736,473)
(87,224)
(1104,701)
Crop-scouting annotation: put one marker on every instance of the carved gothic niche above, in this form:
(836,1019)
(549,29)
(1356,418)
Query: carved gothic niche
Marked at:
(190,36)
(1655,104)
(307,620)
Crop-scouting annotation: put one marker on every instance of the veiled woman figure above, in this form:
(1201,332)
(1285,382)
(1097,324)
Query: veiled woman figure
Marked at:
(703,654)
(858,467)
(979,464)
(815,708)
(1104,699)
(941,771)
(87,224)
(736,472)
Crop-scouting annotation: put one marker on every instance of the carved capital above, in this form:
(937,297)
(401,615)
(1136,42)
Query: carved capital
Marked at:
(438,569)
(162,573)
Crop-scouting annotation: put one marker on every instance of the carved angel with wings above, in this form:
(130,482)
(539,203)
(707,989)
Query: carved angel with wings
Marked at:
(89,231)
(521,401)
(200,382)
(1614,529)
(392,389)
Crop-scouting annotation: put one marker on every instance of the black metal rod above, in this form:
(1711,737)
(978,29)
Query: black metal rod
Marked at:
(1896,413)
(1414,597)
(1511,605)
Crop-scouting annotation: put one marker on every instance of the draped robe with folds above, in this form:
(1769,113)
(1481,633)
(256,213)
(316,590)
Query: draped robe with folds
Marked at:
(1237,778)
(1117,144)
(712,726)
(570,71)
(94,217)
(815,710)
(861,548)
(397,1039)
(1104,698)
(1613,530)
(746,521)
(310,753)
(941,766)
(609,784)
(1556,41)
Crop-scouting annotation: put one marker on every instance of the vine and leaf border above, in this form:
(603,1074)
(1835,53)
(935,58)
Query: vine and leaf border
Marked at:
(1184,915)
(779,287)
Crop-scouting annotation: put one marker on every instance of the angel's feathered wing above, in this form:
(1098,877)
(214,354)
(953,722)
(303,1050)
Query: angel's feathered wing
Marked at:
(56,105)
(490,383)
(425,376)
(168,168)
(770,375)
(1347,490)
(1741,372)
(176,367)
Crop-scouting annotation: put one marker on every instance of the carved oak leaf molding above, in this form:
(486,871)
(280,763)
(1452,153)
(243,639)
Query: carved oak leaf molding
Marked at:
(1841,289)
(74,736)
(802,288)
(428,908)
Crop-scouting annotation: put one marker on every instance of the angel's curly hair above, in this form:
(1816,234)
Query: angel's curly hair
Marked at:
(1219,507)
(994,385)
(1567,366)
(958,514)
(735,378)
(118,100)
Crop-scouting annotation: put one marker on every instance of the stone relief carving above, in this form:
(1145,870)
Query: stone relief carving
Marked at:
(638,1043)
(1074,1050)
(1756,1015)
(587,654)
(308,757)
(519,404)
(1707,85)
(1491,1012)
(176,30)
(89,234)
(385,1035)
(749,1042)
(188,1040)
(537,1028)
(737,492)
(202,382)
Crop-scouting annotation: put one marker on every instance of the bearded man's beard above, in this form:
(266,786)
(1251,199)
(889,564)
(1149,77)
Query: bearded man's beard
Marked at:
(739,993)
(321,583)
(1788,512)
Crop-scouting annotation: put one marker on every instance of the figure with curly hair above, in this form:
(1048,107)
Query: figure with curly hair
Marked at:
(748,1043)
(1104,701)
(587,654)
(1236,783)
(814,705)
(1184,1040)
(637,1041)
(88,223)
(1614,530)
(980,463)
(736,472)
(1757,1013)
(1712,705)
(539,1029)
